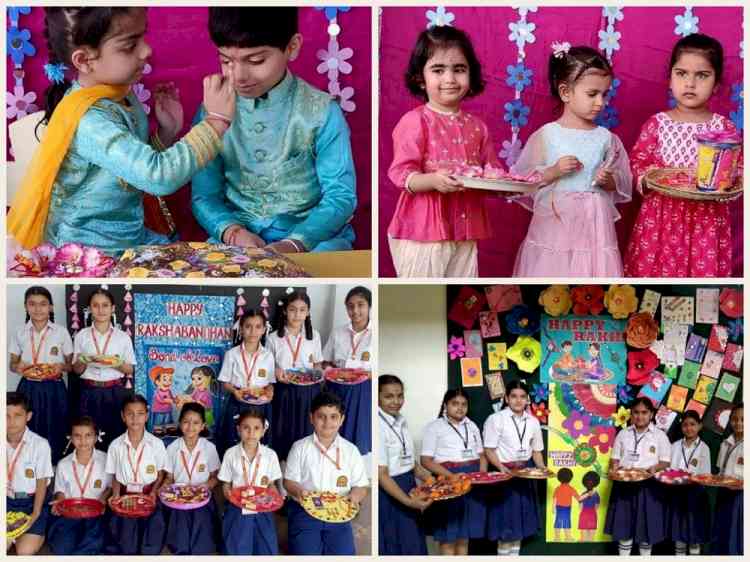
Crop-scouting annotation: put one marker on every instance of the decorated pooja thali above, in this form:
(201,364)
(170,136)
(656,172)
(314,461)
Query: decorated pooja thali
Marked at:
(185,496)
(16,524)
(478,478)
(258,395)
(346,376)
(715,480)
(133,505)
(682,183)
(103,360)
(304,377)
(42,372)
(79,508)
(329,507)
(496,179)
(673,477)
(443,488)
(256,498)
(630,474)
(533,473)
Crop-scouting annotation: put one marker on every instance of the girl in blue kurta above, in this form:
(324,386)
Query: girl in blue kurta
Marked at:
(87,180)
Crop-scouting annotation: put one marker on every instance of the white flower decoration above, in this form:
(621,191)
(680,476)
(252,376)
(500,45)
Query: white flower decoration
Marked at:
(439,17)
(523,10)
(522,32)
(687,23)
(609,40)
(612,13)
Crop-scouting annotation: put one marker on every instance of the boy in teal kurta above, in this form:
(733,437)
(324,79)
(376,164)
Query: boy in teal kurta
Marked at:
(285,175)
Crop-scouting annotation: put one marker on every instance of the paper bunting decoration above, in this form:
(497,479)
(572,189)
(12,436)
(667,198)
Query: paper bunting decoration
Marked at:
(127,324)
(609,42)
(75,320)
(334,60)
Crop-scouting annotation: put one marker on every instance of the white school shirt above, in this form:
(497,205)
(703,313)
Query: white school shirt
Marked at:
(731,461)
(154,459)
(395,446)
(309,350)
(340,351)
(34,461)
(653,447)
(202,461)
(696,458)
(119,344)
(65,477)
(56,345)
(446,441)
(266,461)
(501,434)
(307,466)
(261,369)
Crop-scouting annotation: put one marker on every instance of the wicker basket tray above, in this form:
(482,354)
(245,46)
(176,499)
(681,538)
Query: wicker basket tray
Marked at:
(680,183)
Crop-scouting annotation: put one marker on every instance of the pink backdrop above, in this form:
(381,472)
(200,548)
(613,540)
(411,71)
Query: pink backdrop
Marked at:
(641,64)
(183,53)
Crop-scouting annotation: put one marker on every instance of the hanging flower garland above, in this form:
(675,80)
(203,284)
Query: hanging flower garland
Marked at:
(75,319)
(141,92)
(240,303)
(738,96)
(519,77)
(19,102)
(687,23)
(334,60)
(609,42)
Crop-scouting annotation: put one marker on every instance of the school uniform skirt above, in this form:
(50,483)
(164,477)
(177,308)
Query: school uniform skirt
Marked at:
(144,535)
(637,511)
(192,531)
(687,514)
(76,536)
(291,415)
(399,527)
(104,404)
(248,534)
(227,436)
(357,399)
(727,533)
(308,535)
(464,517)
(513,511)
(26,505)
(49,402)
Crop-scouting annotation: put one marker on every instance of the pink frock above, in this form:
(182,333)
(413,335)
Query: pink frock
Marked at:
(677,237)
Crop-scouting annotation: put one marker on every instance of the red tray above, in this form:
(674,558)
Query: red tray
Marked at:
(346,376)
(488,477)
(80,508)
(256,498)
(133,506)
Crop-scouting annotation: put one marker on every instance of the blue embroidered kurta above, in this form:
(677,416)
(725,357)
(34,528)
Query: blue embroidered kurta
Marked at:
(285,170)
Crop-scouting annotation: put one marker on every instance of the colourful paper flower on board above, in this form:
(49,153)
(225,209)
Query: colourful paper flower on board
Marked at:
(516,113)
(735,329)
(640,366)
(641,331)
(519,76)
(19,44)
(456,347)
(521,32)
(608,117)
(737,93)
(20,102)
(331,11)
(521,320)
(620,300)
(603,438)
(540,412)
(334,60)
(609,40)
(511,151)
(585,455)
(540,393)
(342,96)
(577,424)
(730,302)
(587,299)
(439,17)
(526,353)
(556,300)
(14,12)
(687,23)
(621,417)
(623,393)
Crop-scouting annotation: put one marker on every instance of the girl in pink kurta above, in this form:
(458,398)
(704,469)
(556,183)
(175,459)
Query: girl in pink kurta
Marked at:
(437,223)
(680,237)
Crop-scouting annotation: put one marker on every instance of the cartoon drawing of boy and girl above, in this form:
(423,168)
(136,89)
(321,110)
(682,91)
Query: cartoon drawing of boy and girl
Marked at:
(563,502)
(164,400)
(569,368)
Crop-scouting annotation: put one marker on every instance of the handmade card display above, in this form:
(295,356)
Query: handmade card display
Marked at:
(489,324)
(727,387)
(712,364)
(689,374)
(671,371)
(583,349)
(677,310)
(471,372)
(650,302)
(503,297)
(466,307)
(697,407)
(696,348)
(716,418)
(473,343)
(719,338)
(706,306)
(732,358)
(677,398)
(497,359)
(664,418)
(495,385)
(656,388)
(705,389)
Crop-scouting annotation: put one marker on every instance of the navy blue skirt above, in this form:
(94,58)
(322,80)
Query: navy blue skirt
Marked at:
(357,426)
(460,518)
(105,406)
(49,403)
(26,505)
(308,535)
(192,531)
(399,527)
(76,536)
(513,512)
(291,415)
(248,534)
(637,511)
(227,435)
(687,513)
(728,529)
(144,535)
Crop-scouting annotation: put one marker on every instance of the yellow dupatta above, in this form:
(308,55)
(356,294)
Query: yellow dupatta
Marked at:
(27,218)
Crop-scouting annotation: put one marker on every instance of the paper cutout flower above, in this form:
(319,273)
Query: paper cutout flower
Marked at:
(738,117)
(526,353)
(439,17)
(342,96)
(519,76)
(585,455)
(620,300)
(609,40)
(641,331)
(730,302)
(540,412)
(511,151)
(556,300)
(587,299)
(14,12)
(521,32)
(603,438)
(456,347)
(516,113)
(623,393)
(143,95)
(521,320)
(540,393)
(612,14)
(687,23)
(608,117)
(19,45)
(577,424)
(640,366)
(621,417)
(737,93)
(20,103)
(334,60)
(735,329)
(523,11)
(331,11)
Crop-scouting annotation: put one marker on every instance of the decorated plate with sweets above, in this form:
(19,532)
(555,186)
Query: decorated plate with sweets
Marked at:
(673,477)
(682,184)
(716,480)
(42,372)
(533,473)
(346,376)
(16,524)
(443,488)
(185,496)
(258,395)
(488,477)
(630,474)
(80,508)
(304,377)
(256,498)
(133,506)
(329,507)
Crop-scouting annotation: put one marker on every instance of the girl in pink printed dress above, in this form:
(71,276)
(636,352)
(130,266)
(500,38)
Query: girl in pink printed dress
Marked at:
(437,223)
(681,237)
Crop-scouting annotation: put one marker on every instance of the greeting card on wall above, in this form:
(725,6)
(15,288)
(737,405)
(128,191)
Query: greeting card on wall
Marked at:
(712,364)
(583,349)
(497,359)
(689,374)
(466,307)
(473,343)
(727,388)
(717,416)
(656,388)
(503,297)
(697,407)
(707,306)
(664,418)
(719,338)
(650,302)
(677,398)
(489,324)
(495,385)
(705,389)
(677,310)
(733,358)
(471,372)
(675,338)
(696,348)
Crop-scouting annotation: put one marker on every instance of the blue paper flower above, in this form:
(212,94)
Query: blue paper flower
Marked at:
(519,76)
(738,93)
(55,72)
(608,117)
(540,393)
(439,17)
(623,393)
(735,329)
(609,40)
(671,100)
(16,11)
(331,11)
(687,23)
(516,113)
(19,45)
(738,118)
(612,92)
(522,320)
(521,32)
(612,13)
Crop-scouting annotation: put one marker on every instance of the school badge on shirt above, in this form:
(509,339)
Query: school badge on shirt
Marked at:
(54,350)
(652,449)
(150,469)
(694,462)
(365,356)
(740,460)
(341,482)
(97,483)
(261,373)
(264,481)
(29,473)
(311,359)
(201,468)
